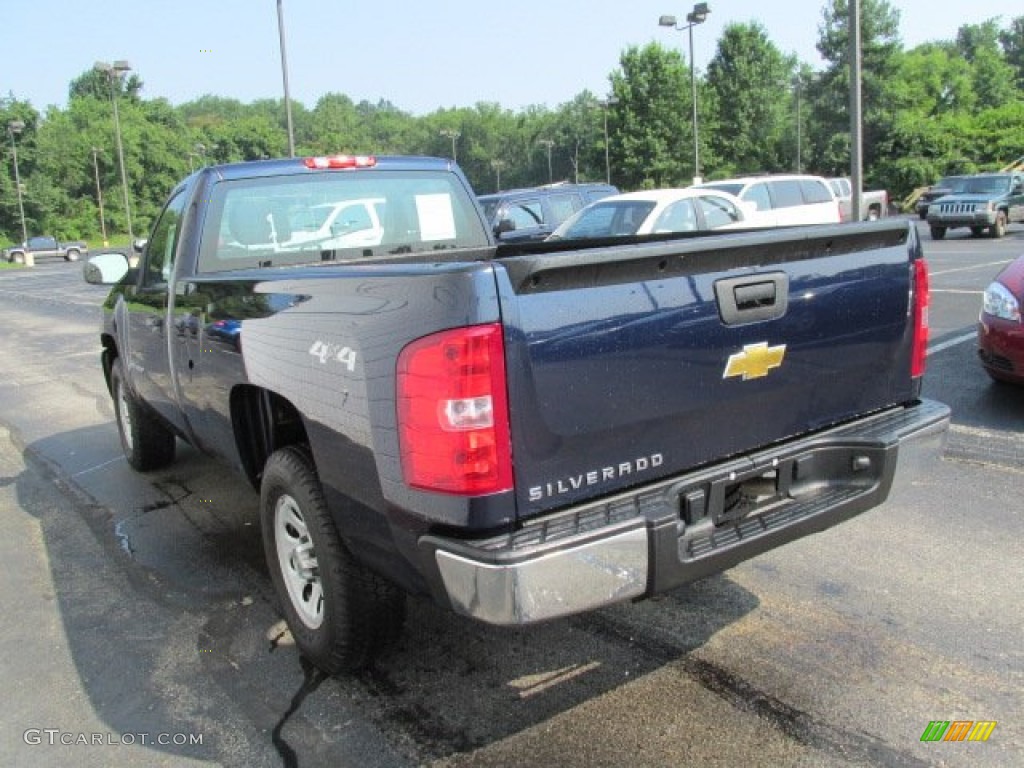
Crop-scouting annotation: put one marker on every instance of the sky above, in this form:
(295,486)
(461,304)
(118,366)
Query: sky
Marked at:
(420,56)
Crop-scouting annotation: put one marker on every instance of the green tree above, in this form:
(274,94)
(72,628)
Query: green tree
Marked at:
(748,82)
(653,128)
(880,46)
(1012,40)
(992,77)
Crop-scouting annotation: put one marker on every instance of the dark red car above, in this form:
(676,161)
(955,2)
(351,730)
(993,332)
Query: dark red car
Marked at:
(1000,330)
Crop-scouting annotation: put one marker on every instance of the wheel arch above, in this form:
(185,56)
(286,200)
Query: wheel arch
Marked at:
(263,422)
(107,357)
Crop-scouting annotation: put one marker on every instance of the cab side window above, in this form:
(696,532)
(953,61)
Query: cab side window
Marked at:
(163,242)
(787,193)
(758,195)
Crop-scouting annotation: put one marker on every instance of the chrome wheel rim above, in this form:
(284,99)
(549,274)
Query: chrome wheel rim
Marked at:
(297,560)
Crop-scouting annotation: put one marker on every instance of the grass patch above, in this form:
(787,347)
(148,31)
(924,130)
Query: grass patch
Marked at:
(10,265)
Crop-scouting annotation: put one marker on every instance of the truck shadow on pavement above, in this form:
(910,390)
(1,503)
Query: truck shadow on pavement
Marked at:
(171,624)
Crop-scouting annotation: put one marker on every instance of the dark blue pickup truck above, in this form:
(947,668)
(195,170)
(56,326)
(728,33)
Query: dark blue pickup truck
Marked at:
(522,432)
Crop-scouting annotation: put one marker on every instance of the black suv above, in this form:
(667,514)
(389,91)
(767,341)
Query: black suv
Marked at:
(519,215)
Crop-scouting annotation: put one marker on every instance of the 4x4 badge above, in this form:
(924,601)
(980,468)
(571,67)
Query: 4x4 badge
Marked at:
(755,361)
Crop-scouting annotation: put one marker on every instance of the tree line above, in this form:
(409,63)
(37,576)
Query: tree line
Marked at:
(938,108)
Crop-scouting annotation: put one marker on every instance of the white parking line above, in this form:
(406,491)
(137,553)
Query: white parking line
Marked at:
(98,466)
(952,343)
(970,268)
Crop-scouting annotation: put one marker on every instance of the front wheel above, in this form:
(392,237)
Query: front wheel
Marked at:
(938,233)
(999,228)
(147,443)
(340,613)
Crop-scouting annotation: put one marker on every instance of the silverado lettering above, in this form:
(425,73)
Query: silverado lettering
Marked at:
(595,477)
(414,402)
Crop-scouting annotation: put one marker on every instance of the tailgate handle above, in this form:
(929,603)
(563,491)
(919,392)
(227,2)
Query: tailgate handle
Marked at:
(752,298)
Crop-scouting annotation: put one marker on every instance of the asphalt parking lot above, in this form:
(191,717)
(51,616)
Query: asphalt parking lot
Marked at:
(140,613)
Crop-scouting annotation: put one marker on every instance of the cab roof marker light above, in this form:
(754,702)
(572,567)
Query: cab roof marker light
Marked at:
(340,161)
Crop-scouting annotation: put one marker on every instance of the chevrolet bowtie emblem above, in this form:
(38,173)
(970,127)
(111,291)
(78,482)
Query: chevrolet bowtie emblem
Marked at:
(754,361)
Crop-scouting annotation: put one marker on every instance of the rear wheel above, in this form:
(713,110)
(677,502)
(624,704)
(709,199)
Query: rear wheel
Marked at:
(938,233)
(999,228)
(71,254)
(147,443)
(340,613)
(17,257)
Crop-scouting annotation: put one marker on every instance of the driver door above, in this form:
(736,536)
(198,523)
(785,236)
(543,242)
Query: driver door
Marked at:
(150,330)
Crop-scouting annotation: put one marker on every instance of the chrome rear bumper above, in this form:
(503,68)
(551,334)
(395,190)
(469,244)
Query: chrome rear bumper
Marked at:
(661,536)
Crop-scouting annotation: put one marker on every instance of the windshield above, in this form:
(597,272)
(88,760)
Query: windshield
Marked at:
(607,219)
(986,185)
(309,218)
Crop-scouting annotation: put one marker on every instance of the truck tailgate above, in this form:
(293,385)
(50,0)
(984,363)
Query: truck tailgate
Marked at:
(631,363)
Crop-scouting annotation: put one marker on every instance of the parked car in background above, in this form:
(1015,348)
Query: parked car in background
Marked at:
(523,215)
(947,185)
(985,201)
(44,246)
(1000,327)
(655,211)
(874,204)
(783,200)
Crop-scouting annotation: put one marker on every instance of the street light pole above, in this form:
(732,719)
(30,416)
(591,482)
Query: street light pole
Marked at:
(99,195)
(13,127)
(284,77)
(497,165)
(605,104)
(548,144)
(698,15)
(856,117)
(451,133)
(113,72)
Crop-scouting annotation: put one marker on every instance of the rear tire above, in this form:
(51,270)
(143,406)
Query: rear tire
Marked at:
(71,254)
(340,614)
(147,443)
(998,229)
(938,233)
(17,258)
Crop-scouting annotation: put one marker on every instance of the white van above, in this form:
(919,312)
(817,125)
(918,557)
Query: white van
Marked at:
(783,200)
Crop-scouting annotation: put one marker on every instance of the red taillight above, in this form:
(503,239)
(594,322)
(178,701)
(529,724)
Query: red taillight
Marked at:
(341,161)
(453,429)
(920,318)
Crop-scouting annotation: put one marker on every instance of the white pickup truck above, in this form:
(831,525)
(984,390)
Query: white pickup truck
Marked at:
(874,204)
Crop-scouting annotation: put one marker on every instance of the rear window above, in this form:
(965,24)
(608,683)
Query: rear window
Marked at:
(309,218)
(563,206)
(609,219)
(732,189)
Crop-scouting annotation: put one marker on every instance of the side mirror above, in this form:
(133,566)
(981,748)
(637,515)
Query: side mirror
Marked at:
(505,225)
(105,269)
